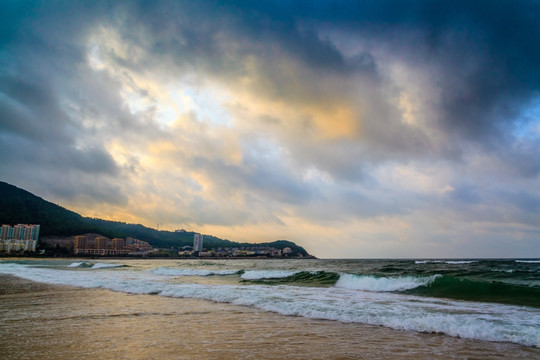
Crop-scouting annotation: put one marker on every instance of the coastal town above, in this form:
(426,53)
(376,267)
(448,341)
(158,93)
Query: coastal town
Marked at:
(24,239)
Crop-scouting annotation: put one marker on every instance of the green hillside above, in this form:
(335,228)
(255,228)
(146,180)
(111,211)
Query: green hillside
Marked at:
(20,206)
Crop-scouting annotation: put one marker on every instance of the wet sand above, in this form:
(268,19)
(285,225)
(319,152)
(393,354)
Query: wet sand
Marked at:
(40,321)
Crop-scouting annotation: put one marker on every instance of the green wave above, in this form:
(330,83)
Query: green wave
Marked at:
(306,278)
(486,291)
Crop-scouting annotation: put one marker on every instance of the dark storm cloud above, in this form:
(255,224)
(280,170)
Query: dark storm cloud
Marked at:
(30,109)
(39,58)
(479,102)
(37,130)
(503,39)
(486,55)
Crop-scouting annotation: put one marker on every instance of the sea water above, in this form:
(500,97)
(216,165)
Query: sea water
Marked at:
(493,300)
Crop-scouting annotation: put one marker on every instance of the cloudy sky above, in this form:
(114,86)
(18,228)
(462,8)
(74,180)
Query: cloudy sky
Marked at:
(356,129)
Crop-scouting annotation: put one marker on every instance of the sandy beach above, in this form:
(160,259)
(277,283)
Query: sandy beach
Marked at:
(40,321)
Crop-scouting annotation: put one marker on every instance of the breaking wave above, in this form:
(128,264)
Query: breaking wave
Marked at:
(305,278)
(84,264)
(478,290)
(106,266)
(77,264)
(266,274)
(372,283)
(191,272)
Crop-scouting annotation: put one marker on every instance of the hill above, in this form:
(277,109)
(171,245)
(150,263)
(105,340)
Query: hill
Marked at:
(20,206)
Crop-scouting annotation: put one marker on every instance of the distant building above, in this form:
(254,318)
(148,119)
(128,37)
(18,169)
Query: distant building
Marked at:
(21,237)
(198,242)
(96,244)
(80,243)
(7,232)
(101,242)
(118,243)
(137,246)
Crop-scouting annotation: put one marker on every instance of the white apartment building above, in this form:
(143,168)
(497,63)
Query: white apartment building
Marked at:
(198,242)
(21,237)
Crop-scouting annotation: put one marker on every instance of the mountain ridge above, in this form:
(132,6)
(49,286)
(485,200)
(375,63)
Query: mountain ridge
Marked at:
(21,206)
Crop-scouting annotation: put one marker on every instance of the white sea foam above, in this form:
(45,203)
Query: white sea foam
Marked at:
(528,261)
(451,262)
(372,283)
(191,272)
(503,270)
(105,265)
(75,264)
(267,274)
(476,320)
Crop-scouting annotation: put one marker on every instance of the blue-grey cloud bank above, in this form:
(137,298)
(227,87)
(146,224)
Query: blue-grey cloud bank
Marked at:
(357,129)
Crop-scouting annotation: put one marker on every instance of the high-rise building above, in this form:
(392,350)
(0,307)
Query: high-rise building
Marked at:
(118,244)
(5,232)
(101,242)
(33,233)
(198,242)
(81,242)
(20,237)
(18,231)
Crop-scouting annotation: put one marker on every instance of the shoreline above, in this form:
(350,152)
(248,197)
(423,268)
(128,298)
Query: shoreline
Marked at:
(47,257)
(152,258)
(89,323)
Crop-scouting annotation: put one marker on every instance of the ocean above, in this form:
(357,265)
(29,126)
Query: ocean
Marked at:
(494,301)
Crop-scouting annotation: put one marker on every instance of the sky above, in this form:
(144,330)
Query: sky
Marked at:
(357,129)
